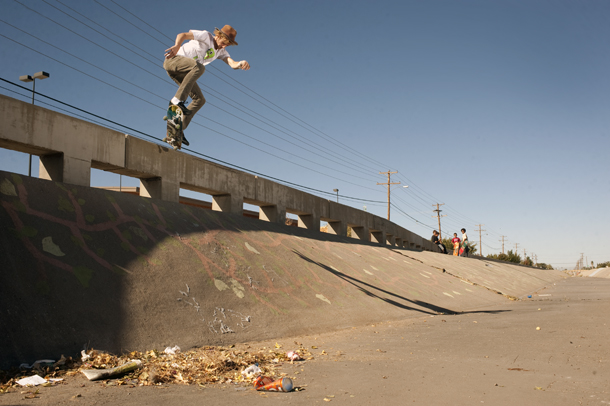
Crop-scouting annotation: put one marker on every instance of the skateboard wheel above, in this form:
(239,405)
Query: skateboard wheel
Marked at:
(178,126)
(164,118)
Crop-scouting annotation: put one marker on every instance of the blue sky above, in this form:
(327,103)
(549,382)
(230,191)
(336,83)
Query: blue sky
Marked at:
(499,109)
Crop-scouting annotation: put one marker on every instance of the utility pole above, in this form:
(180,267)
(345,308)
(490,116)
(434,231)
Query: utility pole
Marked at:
(502,243)
(438,214)
(389,185)
(517,248)
(480,244)
(524,255)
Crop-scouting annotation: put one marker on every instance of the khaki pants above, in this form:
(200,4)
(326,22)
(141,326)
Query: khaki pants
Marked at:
(185,72)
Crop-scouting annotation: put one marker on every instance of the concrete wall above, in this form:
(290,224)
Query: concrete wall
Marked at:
(68,148)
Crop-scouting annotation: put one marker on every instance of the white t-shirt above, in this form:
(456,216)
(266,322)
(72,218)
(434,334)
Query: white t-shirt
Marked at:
(202,48)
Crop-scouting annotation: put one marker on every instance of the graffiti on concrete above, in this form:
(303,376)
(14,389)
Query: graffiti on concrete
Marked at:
(87,237)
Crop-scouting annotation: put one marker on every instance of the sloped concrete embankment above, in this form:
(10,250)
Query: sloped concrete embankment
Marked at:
(117,272)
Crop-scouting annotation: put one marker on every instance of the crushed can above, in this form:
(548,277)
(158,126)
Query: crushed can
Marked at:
(264,383)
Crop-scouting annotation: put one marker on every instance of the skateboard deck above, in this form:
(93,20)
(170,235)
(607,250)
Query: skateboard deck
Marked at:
(174,135)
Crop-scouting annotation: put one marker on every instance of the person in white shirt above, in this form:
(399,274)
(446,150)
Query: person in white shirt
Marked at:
(186,63)
(464,243)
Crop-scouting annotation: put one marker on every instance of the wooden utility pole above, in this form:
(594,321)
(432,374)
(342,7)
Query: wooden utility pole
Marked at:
(438,214)
(389,184)
(480,244)
(516,248)
(502,243)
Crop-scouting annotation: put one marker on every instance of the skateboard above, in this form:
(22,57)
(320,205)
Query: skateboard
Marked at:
(175,135)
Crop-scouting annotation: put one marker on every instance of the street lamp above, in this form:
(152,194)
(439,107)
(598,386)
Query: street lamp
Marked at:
(337,191)
(27,78)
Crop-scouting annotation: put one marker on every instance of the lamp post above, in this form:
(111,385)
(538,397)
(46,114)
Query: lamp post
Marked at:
(27,78)
(337,191)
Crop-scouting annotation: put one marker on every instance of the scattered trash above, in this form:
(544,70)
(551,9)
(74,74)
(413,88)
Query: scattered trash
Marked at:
(293,356)
(537,328)
(36,380)
(94,374)
(264,383)
(62,361)
(84,356)
(198,366)
(33,380)
(545,295)
(529,296)
(40,362)
(172,350)
(251,371)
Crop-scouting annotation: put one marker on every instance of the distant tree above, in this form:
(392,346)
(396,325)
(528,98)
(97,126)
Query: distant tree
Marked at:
(603,264)
(510,256)
(542,265)
(448,244)
(527,262)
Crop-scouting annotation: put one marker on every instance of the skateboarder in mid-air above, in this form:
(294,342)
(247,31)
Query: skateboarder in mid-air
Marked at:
(186,63)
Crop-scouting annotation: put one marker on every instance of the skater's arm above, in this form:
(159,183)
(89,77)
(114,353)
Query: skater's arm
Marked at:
(243,65)
(180,38)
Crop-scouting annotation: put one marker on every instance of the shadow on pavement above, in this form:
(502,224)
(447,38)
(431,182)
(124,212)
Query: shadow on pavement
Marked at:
(432,309)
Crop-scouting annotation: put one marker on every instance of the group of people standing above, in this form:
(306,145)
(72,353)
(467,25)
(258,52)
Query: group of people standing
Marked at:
(460,246)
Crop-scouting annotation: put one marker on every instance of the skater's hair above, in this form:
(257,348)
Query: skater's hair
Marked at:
(463,230)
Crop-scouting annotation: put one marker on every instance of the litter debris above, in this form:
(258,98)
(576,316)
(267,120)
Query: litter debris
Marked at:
(293,356)
(172,350)
(251,371)
(94,374)
(36,380)
(33,380)
(264,383)
(84,356)
(537,328)
(40,362)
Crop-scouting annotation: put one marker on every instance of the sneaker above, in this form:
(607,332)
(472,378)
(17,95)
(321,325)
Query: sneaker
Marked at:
(184,109)
(184,140)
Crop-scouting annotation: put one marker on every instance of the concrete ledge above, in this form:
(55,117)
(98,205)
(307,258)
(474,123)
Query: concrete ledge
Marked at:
(70,147)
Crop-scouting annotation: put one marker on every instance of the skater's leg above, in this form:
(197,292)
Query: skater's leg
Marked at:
(197,103)
(185,72)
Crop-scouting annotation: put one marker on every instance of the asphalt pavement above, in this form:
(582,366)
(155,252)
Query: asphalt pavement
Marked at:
(550,349)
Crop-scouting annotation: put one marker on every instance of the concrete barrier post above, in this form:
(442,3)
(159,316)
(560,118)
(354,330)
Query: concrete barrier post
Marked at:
(337,228)
(309,221)
(378,237)
(228,203)
(160,188)
(360,233)
(61,168)
(273,214)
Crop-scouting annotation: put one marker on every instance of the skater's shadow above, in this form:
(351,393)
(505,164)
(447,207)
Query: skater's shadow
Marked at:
(369,290)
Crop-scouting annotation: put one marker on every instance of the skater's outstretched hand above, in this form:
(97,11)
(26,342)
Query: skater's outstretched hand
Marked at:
(171,52)
(180,38)
(243,65)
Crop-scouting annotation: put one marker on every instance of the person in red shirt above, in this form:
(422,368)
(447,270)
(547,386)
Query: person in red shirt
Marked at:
(456,244)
